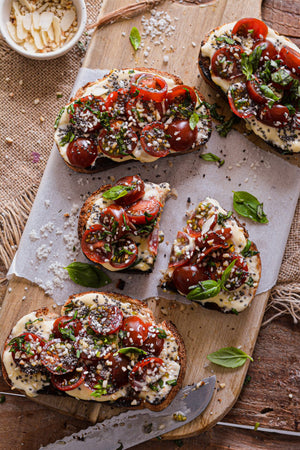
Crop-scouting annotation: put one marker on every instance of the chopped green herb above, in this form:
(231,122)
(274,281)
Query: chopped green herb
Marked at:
(67,138)
(59,117)
(246,252)
(161,333)
(171,382)
(225,127)
(213,111)
(30,322)
(135,38)
(222,217)
(226,39)
(212,157)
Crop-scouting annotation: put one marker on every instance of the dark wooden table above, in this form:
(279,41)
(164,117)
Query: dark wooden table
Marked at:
(270,397)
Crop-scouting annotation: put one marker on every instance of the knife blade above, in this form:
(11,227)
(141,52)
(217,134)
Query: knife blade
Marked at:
(133,427)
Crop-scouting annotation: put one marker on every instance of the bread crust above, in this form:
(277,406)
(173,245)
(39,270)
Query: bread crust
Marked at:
(103,163)
(204,69)
(139,307)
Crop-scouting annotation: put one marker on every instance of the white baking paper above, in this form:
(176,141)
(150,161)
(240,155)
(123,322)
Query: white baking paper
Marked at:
(49,242)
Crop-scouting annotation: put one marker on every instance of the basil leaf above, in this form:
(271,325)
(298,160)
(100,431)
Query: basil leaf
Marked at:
(249,63)
(226,39)
(171,382)
(135,38)
(231,357)
(132,350)
(222,217)
(194,119)
(282,77)
(246,252)
(206,289)
(248,206)
(226,274)
(246,66)
(67,138)
(161,333)
(212,157)
(117,192)
(268,93)
(225,127)
(87,275)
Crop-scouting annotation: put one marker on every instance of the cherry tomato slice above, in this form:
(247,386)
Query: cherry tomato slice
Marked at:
(106,320)
(125,253)
(278,116)
(149,87)
(82,152)
(143,370)
(115,103)
(187,277)
(154,341)
(181,136)
(26,349)
(153,241)
(285,77)
(182,250)
(253,88)
(85,113)
(269,50)
(118,364)
(212,241)
(154,140)
(256,28)
(135,332)
(115,220)
(118,142)
(69,381)
(96,244)
(143,211)
(225,62)
(291,58)
(95,377)
(140,112)
(181,101)
(58,357)
(239,100)
(66,327)
(136,189)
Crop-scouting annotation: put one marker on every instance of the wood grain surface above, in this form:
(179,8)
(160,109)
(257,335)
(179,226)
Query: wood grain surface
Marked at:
(265,399)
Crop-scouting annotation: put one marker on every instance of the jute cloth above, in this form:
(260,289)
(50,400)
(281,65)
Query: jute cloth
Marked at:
(31,94)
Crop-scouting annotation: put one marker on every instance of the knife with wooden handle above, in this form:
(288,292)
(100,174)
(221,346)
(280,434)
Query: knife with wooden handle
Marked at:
(133,427)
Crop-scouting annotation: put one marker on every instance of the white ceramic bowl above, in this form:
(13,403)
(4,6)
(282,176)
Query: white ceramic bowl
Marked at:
(5,8)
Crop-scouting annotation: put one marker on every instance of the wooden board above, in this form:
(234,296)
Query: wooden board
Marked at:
(203,331)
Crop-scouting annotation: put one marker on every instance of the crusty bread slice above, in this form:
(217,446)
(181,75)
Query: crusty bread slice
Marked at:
(139,308)
(103,163)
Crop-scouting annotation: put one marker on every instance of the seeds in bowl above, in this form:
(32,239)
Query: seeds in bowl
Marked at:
(42,26)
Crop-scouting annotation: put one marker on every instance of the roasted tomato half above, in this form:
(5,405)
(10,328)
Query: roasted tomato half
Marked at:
(25,350)
(82,152)
(277,116)
(85,113)
(226,62)
(125,253)
(143,211)
(58,356)
(135,332)
(106,320)
(66,327)
(119,141)
(145,372)
(239,100)
(134,188)
(154,140)
(255,28)
(96,244)
(181,101)
(70,380)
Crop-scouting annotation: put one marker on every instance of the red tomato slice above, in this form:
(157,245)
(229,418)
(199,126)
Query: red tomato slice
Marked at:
(85,113)
(69,381)
(186,277)
(106,320)
(125,253)
(269,50)
(135,332)
(212,241)
(115,103)
(254,90)
(239,100)
(154,341)
(256,28)
(137,189)
(143,211)
(66,327)
(91,348)
(82,152)
(225,62)
(149,87)
(148,367)
(114,219)
(181,136)
(181,101)
(154,140)
(118,365)
(153,240)
(278,116)
(26,349)
(182,249)
(140,112)
(118,142)
(291,58)
(57,357)
(96,244)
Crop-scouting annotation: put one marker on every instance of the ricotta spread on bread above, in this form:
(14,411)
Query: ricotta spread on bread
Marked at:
(120,352)
(124,113)
(211,242)
(285,136)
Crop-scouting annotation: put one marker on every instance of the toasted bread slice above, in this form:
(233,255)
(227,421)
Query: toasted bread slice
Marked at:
(281,131)
(160,351)
(67,131)
(212,240)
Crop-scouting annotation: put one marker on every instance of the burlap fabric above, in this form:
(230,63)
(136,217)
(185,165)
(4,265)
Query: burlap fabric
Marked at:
(32,92)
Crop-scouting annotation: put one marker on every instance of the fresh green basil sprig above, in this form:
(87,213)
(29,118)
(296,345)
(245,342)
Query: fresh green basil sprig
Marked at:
(249,206)
(87,275)
(231,357)
(210,288)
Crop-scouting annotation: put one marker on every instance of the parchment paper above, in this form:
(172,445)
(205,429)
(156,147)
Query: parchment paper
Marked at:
(49,242)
